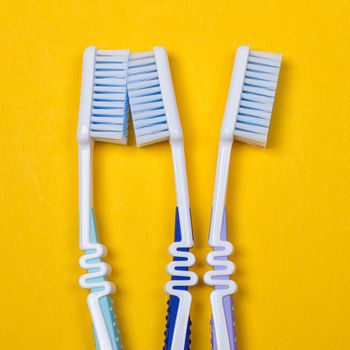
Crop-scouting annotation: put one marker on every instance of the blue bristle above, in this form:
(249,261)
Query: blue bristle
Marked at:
(110,109)
(146,101)
(258,94)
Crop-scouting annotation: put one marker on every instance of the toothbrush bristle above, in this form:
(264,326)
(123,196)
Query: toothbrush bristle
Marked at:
(258,94)
(146,101)
(109,120)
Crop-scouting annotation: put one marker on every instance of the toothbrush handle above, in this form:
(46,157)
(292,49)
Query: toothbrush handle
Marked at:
(173,308)
(107,307)
(100,303)
(178,319)
(223,328)
(228,309)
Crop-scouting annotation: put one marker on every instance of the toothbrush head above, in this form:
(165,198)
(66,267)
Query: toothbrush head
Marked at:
(152,98)
(251,97)
(103,112)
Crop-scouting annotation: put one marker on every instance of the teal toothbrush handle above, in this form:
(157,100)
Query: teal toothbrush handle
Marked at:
(95,284)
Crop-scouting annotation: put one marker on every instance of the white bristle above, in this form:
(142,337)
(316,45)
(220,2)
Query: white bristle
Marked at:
(257,98)
(146,101)
(109,121)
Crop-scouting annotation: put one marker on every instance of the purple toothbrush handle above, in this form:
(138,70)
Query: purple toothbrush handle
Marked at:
(227,301)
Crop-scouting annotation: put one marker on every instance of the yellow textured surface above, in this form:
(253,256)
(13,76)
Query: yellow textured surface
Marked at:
(288,205)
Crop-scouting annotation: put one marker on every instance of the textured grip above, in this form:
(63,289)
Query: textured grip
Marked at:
(230,323)
(110,318)
(106,302)
(173,302)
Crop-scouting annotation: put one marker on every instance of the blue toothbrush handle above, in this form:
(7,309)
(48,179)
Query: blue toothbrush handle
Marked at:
(174,301)
(95,280)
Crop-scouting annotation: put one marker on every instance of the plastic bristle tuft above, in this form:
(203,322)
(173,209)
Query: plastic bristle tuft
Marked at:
(146,101)
(109,121)
(258,94)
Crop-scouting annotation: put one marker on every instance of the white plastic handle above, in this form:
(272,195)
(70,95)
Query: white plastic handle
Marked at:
(85,147)
(176,142)
(182,199)
(219,199)
(85,204)
(226,140)
(85,194)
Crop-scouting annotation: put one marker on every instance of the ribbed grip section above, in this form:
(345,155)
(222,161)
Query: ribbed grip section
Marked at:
(181,279)
(219,278)
(230,323)
(173,304)
(95,280)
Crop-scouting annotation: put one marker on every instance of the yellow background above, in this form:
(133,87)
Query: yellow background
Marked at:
(288,205)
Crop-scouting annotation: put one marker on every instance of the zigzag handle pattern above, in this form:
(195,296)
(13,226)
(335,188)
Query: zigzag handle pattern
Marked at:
(95,280)
(220,279)
(178,286)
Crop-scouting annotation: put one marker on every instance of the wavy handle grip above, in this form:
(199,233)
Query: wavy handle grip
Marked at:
(223,288)
(179,289)
(100,303)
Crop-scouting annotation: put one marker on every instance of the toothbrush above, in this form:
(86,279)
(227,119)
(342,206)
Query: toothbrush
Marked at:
(247,119)
(155,118)
(103,116)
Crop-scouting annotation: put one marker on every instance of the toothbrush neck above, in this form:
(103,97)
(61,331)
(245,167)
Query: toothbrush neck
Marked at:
(220,190)
(85,191)
(181,186)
